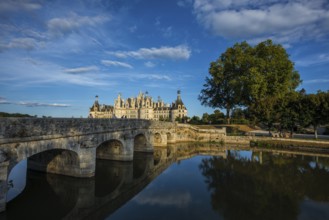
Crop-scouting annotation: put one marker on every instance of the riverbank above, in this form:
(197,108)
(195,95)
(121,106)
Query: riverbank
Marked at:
(291,144)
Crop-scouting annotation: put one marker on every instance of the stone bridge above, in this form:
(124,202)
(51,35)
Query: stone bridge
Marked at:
(70,146)
(114,184)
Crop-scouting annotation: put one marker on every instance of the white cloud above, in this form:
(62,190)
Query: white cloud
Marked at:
(20,43)
(62,26)
(18,71)
(14,5)
(4,101)
(81,69)
(149,64)
(136,76)
(246,19)
(32,104)
(153,77)
(166,32)
(38,104)
(180,52)
(313,60)
(116,63)
(313,81)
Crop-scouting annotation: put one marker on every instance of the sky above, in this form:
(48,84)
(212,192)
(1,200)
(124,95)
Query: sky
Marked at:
(57,55)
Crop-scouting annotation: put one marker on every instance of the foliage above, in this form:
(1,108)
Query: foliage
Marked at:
(254,77)
(195,120)
(181,119)
(223,87)
(315,110)
(5,114)
(161,118)
(216,118)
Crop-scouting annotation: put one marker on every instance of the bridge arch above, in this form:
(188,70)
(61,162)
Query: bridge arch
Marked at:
(140,142)
(112,149)
(157,138)
(170,137)
(57,161)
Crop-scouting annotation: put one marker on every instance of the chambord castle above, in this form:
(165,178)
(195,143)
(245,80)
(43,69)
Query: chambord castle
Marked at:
(141,107)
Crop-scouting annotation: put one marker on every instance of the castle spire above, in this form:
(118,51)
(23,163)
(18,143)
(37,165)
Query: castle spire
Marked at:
(178,95)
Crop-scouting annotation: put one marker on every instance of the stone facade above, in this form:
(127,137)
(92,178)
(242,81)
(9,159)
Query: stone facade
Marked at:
(140,107)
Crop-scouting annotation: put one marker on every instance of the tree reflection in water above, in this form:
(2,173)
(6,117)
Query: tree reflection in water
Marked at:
(243,188)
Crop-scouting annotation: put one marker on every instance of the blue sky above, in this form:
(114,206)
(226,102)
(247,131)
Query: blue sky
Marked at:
(55,56)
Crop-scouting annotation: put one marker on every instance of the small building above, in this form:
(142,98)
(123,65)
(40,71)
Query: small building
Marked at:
(141,107)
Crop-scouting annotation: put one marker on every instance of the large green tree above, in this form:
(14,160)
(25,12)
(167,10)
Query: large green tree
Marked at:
(223,88)
(255,77)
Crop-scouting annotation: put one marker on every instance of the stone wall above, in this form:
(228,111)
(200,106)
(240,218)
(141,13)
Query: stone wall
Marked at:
(187,133)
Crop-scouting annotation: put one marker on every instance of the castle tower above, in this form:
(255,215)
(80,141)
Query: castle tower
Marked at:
(178,109)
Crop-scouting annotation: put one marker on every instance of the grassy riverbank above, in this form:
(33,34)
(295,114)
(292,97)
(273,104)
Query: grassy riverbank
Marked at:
(291,144)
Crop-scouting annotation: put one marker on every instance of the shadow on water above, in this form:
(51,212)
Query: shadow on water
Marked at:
(53,196)
(40,200)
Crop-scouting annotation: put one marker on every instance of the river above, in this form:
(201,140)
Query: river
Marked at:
(186,181)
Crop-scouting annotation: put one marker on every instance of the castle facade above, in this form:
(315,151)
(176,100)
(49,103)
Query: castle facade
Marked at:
(141,107)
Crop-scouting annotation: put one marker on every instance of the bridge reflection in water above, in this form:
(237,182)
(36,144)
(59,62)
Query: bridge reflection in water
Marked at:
(231,176)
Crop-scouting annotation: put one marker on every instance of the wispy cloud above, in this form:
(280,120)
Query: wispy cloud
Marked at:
(153,77)
(286,20)
(20,43)
(116,63)
(33,104)
(4,100)
(137,76)
(10,6)
(81,69)
(149,64)
(313,60)
(315,81)
(38,104)
(26,72)
(180,52)
(72,23)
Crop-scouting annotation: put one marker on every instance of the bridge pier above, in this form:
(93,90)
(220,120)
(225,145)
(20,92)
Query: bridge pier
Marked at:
(3,184)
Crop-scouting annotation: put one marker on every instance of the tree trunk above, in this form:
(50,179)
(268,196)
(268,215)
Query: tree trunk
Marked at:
(315,131)
(228,117)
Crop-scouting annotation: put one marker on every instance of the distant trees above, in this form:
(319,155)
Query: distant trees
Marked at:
(5,114)
(314,110)
(216,118)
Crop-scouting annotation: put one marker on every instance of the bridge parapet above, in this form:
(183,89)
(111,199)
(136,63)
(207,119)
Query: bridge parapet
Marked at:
(30,128)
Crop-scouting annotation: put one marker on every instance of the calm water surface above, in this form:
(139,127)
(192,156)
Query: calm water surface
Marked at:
(181,182)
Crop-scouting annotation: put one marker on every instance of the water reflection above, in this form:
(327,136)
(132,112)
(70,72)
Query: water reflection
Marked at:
(175,183)
(273,189)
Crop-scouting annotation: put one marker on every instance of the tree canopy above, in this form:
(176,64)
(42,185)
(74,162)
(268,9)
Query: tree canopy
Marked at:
(247,75)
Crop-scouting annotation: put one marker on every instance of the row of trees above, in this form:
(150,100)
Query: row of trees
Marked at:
(262,81)
(298,109)
(239,116)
